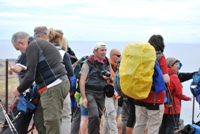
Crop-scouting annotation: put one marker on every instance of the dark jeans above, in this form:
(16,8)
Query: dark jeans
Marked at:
(168,124)
(131,113)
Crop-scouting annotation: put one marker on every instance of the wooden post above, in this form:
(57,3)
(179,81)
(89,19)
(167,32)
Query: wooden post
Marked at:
(6,86)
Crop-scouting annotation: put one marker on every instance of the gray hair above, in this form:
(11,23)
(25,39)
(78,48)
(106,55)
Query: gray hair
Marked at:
(19,35)
(37,35)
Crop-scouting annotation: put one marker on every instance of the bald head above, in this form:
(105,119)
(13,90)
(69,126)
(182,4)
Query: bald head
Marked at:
(114,51)
(115,55)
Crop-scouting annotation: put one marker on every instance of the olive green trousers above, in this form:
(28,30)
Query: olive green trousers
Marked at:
(48,114)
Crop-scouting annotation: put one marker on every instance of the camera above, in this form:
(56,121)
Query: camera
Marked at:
(104,72)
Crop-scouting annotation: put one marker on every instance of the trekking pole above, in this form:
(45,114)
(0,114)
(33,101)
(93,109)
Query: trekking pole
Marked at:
(193,110)
(10,124)
(17,116)
(172,106)
(4,112)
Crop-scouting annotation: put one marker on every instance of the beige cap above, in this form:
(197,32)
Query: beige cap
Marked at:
(99,45)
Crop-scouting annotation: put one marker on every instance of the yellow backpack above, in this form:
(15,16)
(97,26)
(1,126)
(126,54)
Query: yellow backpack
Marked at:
(136,69)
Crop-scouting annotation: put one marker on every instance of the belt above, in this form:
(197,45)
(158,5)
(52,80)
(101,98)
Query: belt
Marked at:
(56,82)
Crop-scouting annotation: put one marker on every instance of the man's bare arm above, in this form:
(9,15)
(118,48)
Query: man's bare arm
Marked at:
(16,68)
(82,89)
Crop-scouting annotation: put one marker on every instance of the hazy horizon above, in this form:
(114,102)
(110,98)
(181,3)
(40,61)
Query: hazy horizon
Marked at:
(7,51)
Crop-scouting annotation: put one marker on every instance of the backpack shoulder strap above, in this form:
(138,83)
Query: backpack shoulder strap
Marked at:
(78,66)
(158,55)
(90,61)
(170,73)
(108,63)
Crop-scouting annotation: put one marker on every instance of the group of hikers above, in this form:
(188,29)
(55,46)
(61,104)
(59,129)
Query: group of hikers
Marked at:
(76,93)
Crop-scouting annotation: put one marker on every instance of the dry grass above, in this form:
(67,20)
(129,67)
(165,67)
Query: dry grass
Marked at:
(12,83)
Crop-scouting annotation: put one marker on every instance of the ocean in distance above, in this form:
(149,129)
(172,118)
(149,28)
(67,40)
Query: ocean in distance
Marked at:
(187,53)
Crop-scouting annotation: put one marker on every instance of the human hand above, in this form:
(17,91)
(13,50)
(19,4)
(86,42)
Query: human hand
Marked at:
(78,105)
(107,78)
(191,98)
(188,98)
(84,102)
(10,70)
(27,90)
(16,92)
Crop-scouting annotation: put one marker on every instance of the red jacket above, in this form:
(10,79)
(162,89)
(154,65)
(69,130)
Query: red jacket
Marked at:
(176,90)
(158,98)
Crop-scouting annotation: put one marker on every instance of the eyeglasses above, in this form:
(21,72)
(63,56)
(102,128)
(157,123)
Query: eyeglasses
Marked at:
(118,55)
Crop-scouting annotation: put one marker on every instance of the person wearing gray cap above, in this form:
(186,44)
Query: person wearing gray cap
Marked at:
(171,115)
(41,32)
(49,74)
(20,69)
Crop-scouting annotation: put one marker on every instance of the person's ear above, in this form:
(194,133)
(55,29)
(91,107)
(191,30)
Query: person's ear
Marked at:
(21,42)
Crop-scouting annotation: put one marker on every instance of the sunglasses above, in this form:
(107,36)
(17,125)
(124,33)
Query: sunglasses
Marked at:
(117,55)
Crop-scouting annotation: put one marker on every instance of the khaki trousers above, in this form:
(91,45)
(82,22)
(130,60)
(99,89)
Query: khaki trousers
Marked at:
(48,114)
(152,118)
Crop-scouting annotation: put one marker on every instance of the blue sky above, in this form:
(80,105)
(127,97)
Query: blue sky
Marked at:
(104,20)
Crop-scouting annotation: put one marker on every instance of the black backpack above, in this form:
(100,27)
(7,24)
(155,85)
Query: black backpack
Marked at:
(77,69)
